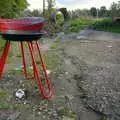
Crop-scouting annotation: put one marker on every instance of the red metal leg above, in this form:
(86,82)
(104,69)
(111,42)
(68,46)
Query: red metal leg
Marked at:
(24,61)
(38,75)
(4,57)
(43,66)
(24,64)
(33,62)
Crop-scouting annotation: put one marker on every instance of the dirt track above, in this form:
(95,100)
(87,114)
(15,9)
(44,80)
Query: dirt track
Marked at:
(94,63)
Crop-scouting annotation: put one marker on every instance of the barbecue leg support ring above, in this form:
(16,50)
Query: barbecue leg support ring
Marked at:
(45,94)
(37,74)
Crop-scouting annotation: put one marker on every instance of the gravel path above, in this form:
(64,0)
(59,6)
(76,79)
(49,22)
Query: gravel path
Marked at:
(99,57)
(85,85)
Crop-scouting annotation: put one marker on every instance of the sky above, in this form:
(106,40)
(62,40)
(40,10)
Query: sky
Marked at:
(73,4)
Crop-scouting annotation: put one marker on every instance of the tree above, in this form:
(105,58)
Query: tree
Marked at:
(65,13)
(93,12)
(32,13)
(103,12)
(118,7)
(51,4)
(36,13)
(10,8)
(113,9)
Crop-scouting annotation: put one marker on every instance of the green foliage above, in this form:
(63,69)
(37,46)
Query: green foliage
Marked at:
(107,25)
(93,11)
(11,8)
(78,24)
(51,4)
(33,13)
(60,19)
(115,9)
(103,12)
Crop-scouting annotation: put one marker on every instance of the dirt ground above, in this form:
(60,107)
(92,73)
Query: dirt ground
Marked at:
(85,83)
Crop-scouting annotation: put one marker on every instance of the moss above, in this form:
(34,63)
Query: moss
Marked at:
(3,93)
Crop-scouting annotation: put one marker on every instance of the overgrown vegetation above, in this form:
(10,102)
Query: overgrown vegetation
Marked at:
(107,25)
(80,23)
(60,19)
(12,8)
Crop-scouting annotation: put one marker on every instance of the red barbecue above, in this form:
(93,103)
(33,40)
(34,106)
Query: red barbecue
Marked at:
(27,29)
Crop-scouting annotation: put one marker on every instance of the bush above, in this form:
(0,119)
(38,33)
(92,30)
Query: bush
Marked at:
(78,24)
(60,19)
(107,25)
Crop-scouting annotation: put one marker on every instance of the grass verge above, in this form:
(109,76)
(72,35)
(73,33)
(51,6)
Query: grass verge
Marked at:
(107,25)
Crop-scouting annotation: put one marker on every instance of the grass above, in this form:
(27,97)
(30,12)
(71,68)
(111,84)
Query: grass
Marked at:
(57,41)
(19,54)
(52,61)
(2,43)
(3,93)
(78,24)
(104,118)
(107,25)
(4,105)
(54,46)
(18,106)
(67,112)
(30,84)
